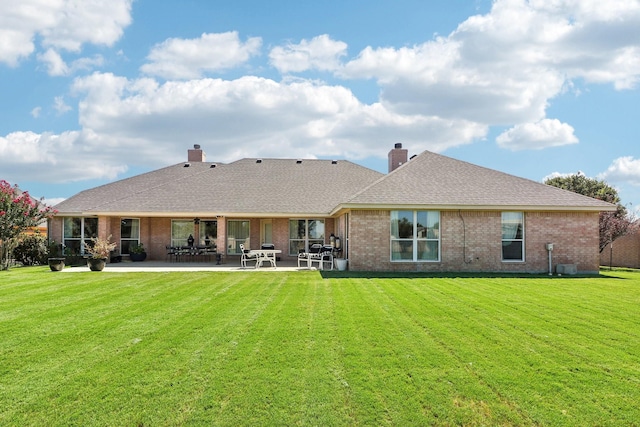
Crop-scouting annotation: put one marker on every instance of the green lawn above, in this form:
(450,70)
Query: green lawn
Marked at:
(156,349)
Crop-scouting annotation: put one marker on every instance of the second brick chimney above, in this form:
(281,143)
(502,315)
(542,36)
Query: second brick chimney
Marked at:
(397,157)
(196,154)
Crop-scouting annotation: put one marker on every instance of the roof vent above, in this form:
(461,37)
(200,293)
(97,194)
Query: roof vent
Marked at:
(334,162)
(186,165)
(412,157)
(212,166)
(259,161)
(298,161)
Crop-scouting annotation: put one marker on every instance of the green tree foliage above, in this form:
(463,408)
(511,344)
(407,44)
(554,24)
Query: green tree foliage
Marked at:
(18,213)
(612,224)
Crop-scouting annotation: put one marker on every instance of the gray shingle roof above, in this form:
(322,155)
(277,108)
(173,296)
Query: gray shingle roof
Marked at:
(431,179)
(269,187)
(287,187)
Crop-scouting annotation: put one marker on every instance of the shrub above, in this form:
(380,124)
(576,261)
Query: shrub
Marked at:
(137,249)
(31,250)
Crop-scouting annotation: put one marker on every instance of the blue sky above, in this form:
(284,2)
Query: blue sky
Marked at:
(95,91)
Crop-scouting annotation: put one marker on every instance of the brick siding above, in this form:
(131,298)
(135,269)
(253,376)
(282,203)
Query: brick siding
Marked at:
(624,253)
(471,241)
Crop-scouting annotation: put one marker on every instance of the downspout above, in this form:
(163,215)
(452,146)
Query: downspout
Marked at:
(464,238)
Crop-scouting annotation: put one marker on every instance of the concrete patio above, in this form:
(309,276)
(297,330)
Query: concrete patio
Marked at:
(156,266)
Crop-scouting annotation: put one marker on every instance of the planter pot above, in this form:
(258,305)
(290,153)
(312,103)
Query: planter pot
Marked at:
(341,263)
(137,257)
(96,264)
(56,264)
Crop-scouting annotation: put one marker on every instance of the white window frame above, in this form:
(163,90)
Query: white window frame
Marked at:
(504,222)
(306,241)
(181,241)
(233,242)
(415,239)
(83,239)
(133,240)
(213,240)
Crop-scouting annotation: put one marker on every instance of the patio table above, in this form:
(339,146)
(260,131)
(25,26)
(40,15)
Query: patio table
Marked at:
(263,255)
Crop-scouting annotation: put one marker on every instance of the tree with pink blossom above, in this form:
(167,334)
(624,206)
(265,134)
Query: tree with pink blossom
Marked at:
(18,212)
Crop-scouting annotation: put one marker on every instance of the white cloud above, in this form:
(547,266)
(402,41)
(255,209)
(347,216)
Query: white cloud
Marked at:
(59,25)
(623,169)
(35,113)
(57,67)
(54,63)
(536,136)
(561,175)
(321,53)
(65,157)
(60,106)
(504,67)
(253,116)
(192,58)
(99,22)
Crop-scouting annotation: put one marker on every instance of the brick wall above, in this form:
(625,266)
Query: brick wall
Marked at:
(471,241)
(625,252)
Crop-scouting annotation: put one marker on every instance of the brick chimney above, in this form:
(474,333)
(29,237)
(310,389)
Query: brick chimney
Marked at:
(196,155)
(397,157)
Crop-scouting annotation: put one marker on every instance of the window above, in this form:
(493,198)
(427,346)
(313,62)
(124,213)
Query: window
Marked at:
(181,229)
(129,234)
(415,236)
(237,233)
(512,236)
(77,232)
(208,233)
(303,233)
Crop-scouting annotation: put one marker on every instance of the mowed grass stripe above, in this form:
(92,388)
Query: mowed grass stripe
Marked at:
(450,327)
(106,333)
(545,366)
(288,361)
(393,369)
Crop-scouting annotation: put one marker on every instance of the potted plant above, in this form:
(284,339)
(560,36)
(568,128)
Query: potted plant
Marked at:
(137,252)
(55,260)
(99,251)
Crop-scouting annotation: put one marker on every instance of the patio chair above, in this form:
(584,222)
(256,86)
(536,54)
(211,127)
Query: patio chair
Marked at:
(324,258)
(314,253)
(172,254)
(247,255)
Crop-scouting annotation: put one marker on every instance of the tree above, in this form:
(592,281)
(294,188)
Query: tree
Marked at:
(612,224)
(18,212)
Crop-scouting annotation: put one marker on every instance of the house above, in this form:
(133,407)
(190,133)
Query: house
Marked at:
(429,213)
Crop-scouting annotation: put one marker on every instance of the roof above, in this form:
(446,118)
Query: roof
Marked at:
(442,182)
(256,187)
(304,188)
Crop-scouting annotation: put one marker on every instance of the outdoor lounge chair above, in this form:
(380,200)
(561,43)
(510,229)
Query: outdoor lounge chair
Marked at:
(317,253)
(247,255)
